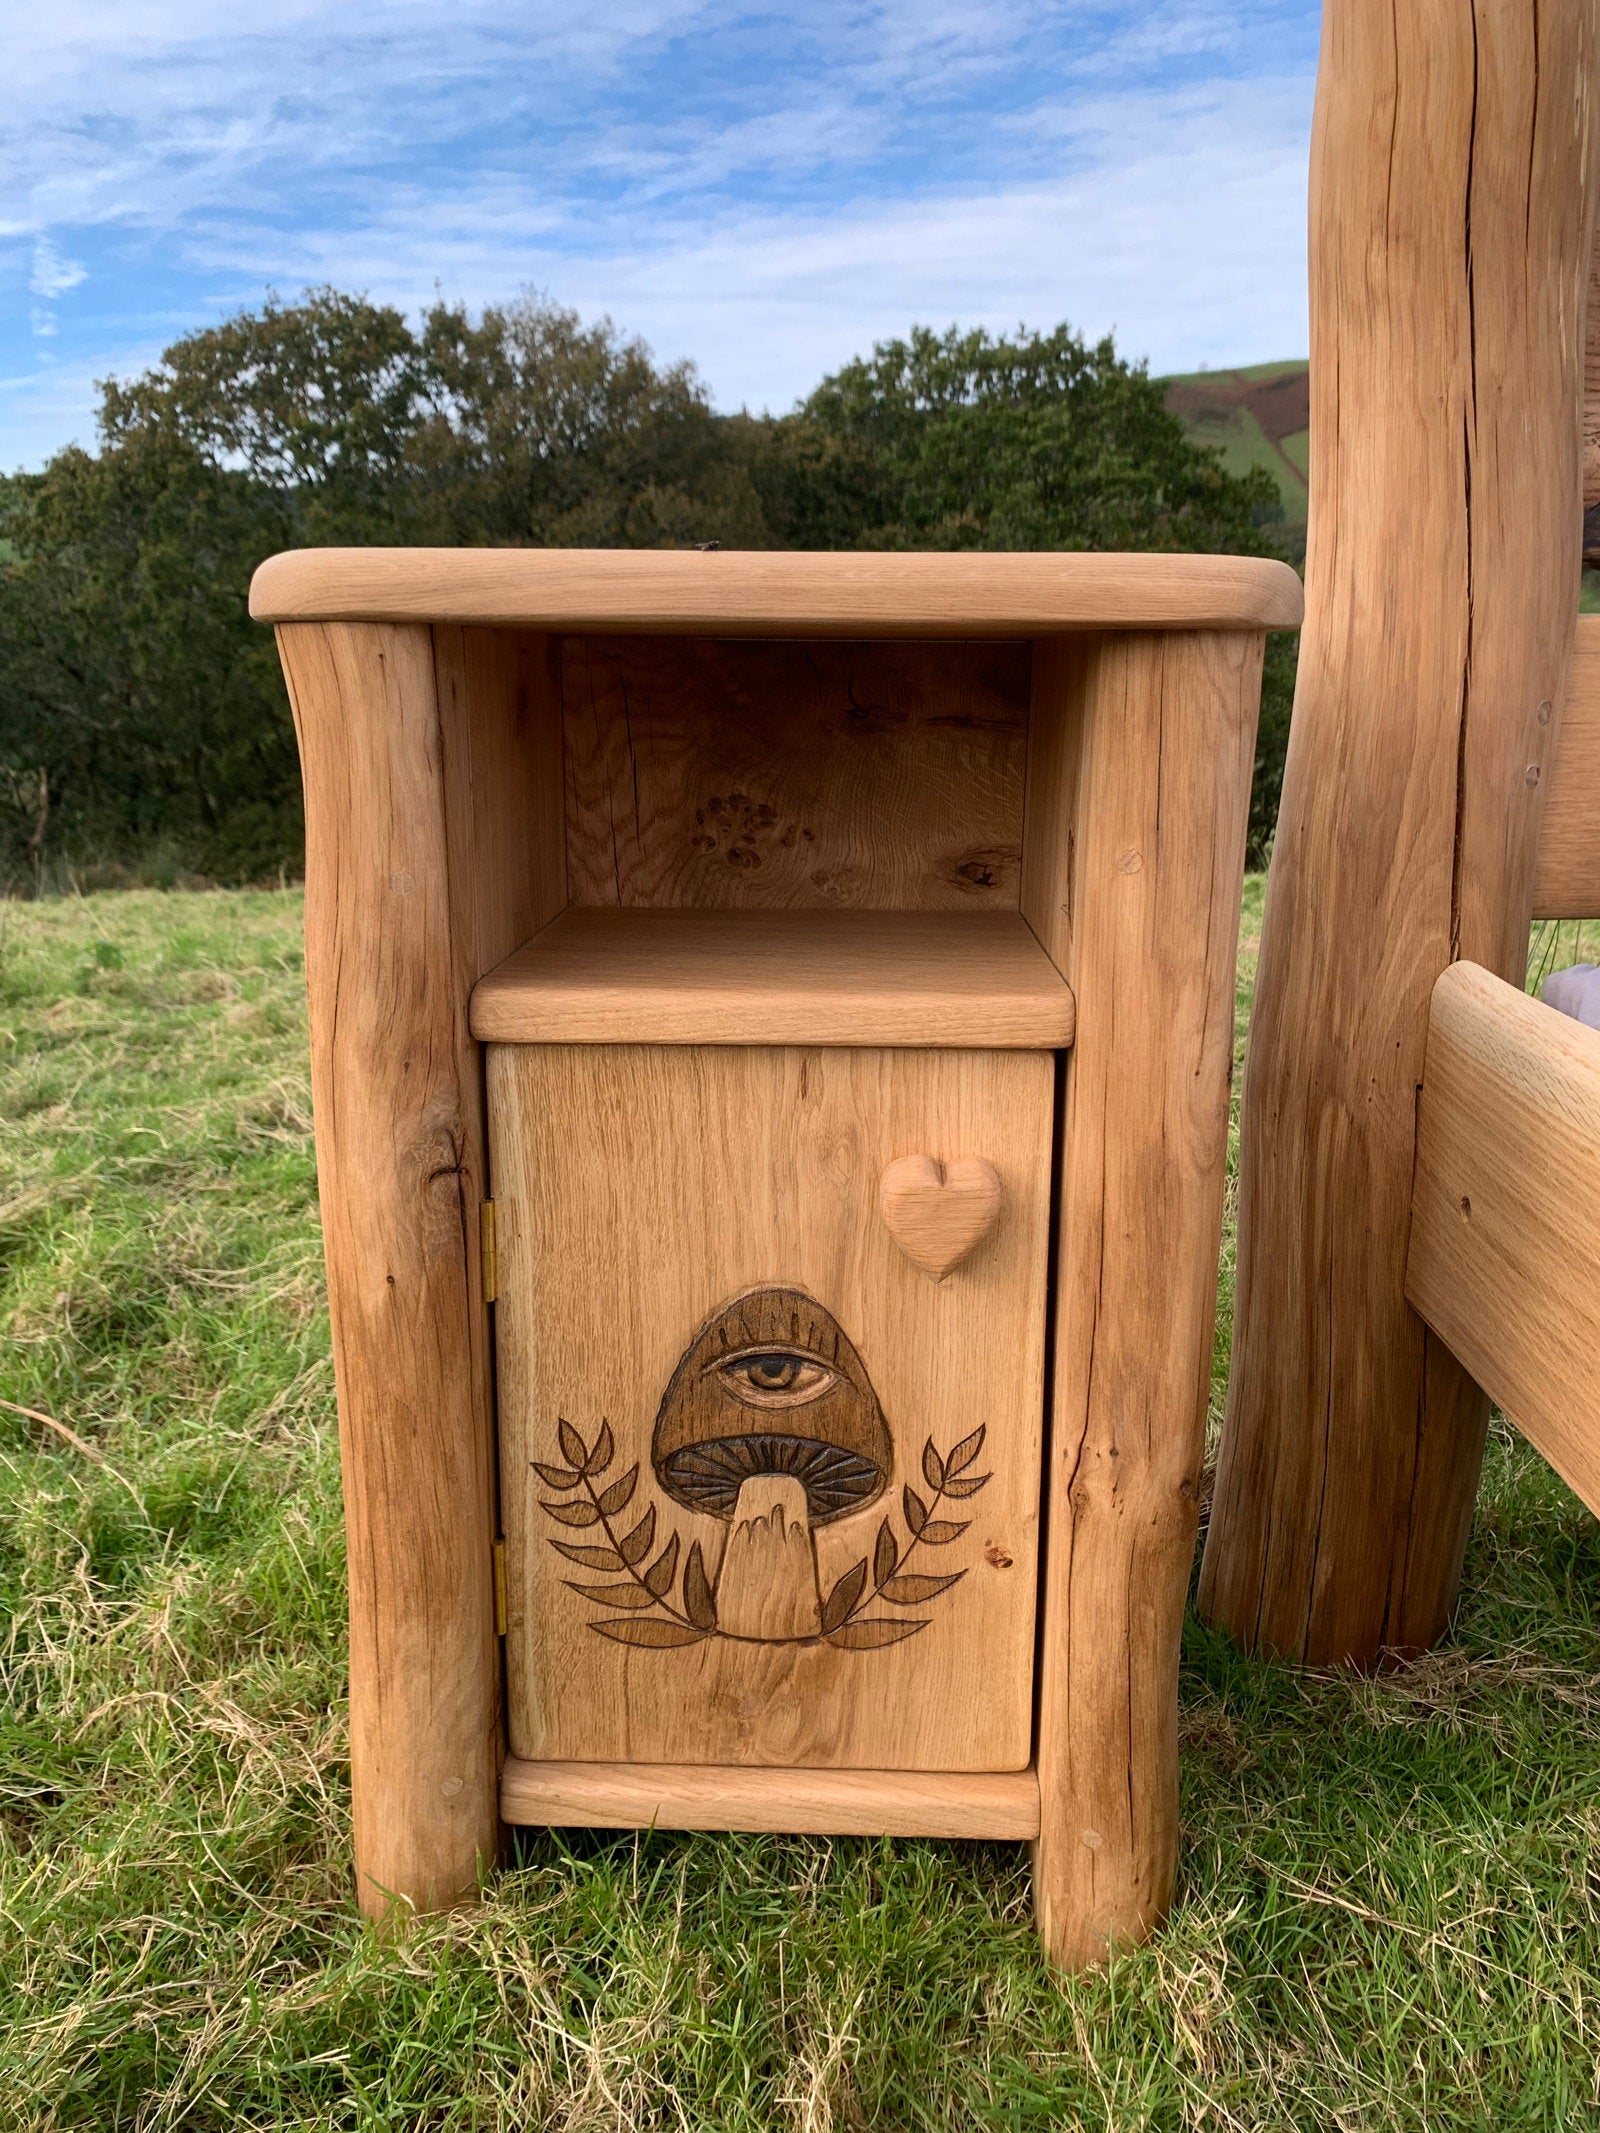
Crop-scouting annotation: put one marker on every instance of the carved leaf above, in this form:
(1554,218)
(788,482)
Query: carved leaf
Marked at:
(555,1477)
(589,1558)
(698,1603)
(939,1532)
(915,1509)
(932,1467)
(638,1543)
(600,1457)
(649,1632)
(885,1554)
(912,1591)
(573,1448)
(870,1635)
(573,1514)
(612,1500)
(664,1569)
(966,1451)
(967,1484)
(844,1596)
(613,1595)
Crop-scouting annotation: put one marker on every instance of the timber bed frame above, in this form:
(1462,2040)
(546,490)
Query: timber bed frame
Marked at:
(722,865)
(1419,1211)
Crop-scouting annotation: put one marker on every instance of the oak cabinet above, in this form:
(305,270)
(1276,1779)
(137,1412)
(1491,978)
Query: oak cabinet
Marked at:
(771,1027)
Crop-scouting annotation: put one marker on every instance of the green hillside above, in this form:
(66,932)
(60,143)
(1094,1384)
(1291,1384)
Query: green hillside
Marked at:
(1256,418)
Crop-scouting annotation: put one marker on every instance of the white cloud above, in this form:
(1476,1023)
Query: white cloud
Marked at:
(1179,223)
(53,273)
(767,194)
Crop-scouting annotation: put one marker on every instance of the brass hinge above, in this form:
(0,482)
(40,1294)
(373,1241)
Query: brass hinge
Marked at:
(491,1262)
(501,1610)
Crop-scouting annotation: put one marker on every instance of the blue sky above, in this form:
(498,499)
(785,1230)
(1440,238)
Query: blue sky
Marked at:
(764,191)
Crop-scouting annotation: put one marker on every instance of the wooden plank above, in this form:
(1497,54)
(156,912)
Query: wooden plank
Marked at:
(1133,857)
(1591,412)
(1505,1219)
(1567,876)
(778,977)
(824,1803)
(396,919)
(662,1213)
(1452,190)
(760,594)
(722,773)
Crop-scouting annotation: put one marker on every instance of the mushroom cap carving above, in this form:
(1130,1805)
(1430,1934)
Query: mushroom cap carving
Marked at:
(772,1384)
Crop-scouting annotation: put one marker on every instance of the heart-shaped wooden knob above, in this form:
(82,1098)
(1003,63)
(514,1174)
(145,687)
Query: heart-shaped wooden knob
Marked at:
(938,1212)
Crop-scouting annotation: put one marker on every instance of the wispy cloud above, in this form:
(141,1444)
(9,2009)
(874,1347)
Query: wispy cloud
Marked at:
(764,191)
(52,275)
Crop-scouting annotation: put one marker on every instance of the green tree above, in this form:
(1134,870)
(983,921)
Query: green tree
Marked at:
(142,711)
(522,427)
(142,718)
(545,432)
(1044,441)
(319,400)
(963,440)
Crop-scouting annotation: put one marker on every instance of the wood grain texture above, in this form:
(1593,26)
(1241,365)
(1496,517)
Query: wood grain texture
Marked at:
(1504,1261)
(764,594)
(778,977)
(824,1803)
(401,795)
(761,776)
(1591,396)
(1451,218)
(1133,858)
(638,1191)
(1566,882)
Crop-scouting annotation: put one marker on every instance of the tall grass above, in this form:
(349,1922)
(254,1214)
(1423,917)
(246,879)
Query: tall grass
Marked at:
(1390,1909)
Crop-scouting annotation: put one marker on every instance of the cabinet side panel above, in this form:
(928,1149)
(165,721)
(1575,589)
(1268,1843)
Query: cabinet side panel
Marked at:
(662,1214)
(399,1166)
(1143,756)
(500,723)
(432,776)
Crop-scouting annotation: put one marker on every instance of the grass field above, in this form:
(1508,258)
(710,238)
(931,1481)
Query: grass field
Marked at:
(1390,1906)
(1255,417)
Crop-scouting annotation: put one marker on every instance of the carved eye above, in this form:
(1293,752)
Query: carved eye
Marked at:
(775,1377)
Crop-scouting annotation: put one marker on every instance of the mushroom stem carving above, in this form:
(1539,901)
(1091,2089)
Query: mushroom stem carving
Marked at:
(767,1585)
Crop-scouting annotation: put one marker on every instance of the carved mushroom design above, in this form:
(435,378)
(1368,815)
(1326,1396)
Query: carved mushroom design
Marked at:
(771,1424)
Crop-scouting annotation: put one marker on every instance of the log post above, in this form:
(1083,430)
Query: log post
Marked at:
(1451,210)
(430,854)
(1133,858)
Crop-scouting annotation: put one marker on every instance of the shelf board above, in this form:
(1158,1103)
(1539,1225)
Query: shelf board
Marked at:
(916,978)
(766,594)
(825,1803)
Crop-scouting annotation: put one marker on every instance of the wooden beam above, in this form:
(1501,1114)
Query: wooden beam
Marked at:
(1566,880)
(765,595)
(824,1803)
(419,752)
(1505,1225)
(1452,179)
(1591,413)
(1132,857)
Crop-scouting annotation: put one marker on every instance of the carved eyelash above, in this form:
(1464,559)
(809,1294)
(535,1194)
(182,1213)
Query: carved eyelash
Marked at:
(789,1350)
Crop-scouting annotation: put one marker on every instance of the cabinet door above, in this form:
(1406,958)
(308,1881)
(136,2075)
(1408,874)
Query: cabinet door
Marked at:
(770,1491)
